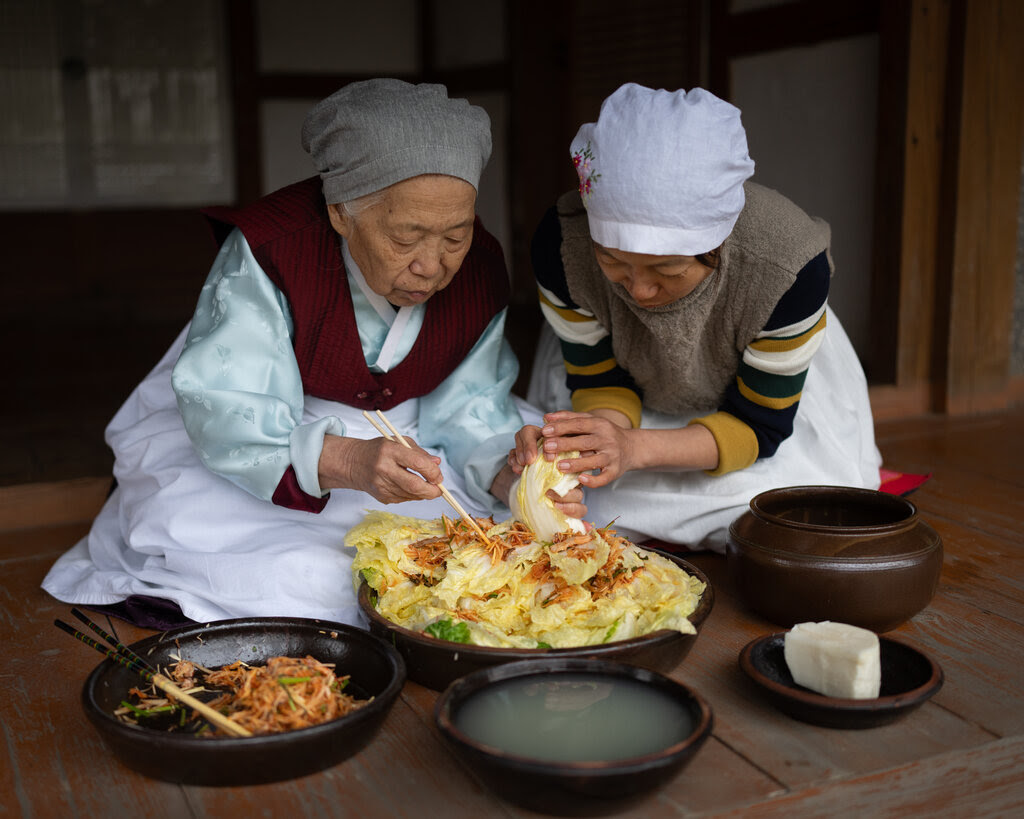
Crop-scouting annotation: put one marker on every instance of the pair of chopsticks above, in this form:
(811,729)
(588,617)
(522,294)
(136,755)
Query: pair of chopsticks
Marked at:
(120,653)
(395,435)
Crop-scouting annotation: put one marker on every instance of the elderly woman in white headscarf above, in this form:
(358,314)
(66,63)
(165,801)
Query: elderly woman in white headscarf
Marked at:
(244,457)
(692,336)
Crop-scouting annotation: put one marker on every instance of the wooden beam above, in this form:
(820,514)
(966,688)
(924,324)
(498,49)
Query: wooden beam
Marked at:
(312,86)
(796,24)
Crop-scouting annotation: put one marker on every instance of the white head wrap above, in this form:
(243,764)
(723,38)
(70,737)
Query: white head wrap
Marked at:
(662,172)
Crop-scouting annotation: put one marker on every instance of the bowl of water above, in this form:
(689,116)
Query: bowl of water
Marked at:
(573,737)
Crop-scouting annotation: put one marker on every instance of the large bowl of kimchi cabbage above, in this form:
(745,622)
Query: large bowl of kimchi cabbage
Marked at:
(452,604)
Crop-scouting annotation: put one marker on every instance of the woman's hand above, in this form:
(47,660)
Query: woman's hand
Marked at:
(526,448)
(528,443)
(571,503)
(601,441)
(385,469)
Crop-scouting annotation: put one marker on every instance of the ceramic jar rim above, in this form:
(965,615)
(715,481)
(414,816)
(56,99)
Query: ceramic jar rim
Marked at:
(759,509)
(795,556)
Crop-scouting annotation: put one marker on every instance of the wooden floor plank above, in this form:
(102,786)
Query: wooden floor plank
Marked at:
(977,467)
(996,508)
(57,764)
(983,571)
(982,656)
(983,782)
(50,504)
(771,740)
(958,756)
(699,787)
(402,760)
(988,444)
(46,542)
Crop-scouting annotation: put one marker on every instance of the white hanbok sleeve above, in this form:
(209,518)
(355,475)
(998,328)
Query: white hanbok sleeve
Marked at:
(238,385)
(472,415)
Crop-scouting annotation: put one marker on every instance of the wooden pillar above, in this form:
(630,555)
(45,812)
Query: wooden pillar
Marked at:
(981,223)
(911,153)
(244,69)
(541,126)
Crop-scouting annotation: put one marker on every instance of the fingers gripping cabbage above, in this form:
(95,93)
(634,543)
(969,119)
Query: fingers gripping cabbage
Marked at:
(530,503)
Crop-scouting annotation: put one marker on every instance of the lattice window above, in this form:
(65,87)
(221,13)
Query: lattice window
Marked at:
(110,103)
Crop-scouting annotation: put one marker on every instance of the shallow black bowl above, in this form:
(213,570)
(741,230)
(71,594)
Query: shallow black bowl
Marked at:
(572,788)
(436,663)
(909,678)
(376,670)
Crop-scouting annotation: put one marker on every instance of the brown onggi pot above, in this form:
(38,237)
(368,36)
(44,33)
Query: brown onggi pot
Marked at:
(849,555)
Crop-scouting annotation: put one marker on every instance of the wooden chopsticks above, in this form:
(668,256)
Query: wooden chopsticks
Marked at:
(129,659)
(395,435)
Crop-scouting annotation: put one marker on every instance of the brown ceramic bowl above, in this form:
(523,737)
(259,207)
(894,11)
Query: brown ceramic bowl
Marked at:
(813,553)
(573,737)
(436,663)
(375,670)
(909,679)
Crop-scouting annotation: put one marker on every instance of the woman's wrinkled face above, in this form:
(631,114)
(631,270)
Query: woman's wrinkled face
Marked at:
(652,281)
(411,243)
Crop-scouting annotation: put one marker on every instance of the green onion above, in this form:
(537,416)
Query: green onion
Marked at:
(289,693)
(147,712)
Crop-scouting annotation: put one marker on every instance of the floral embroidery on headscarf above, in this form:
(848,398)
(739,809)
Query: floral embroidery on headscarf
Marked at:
(581,161)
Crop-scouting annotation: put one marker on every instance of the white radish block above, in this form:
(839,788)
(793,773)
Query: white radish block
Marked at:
(834,659)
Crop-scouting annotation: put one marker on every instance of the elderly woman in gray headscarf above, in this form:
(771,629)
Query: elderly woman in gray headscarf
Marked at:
(692,358)
(372,286)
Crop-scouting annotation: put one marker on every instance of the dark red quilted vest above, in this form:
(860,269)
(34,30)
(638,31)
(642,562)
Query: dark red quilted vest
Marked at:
(291,237)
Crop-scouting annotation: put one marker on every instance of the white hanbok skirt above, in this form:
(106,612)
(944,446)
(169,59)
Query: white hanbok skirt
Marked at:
(833,442)
(174,530)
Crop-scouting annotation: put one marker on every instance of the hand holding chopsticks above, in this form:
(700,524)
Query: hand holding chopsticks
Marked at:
(395,435)
(129,659)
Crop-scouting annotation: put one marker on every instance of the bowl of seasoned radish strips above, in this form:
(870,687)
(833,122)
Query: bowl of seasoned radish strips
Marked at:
(309,693)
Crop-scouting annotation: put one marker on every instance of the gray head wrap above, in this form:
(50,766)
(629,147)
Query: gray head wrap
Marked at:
(372,134)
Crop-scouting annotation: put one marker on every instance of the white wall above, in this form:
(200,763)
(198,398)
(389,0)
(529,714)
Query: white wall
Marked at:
(810,117)
(333,37)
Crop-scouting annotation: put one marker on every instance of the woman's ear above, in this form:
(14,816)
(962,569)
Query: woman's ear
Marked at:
(341,221)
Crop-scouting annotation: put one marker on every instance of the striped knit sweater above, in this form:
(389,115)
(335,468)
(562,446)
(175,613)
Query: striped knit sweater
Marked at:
(735,352)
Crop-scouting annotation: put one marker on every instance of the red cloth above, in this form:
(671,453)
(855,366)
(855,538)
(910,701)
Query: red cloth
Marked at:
(901,483)
(289,494)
